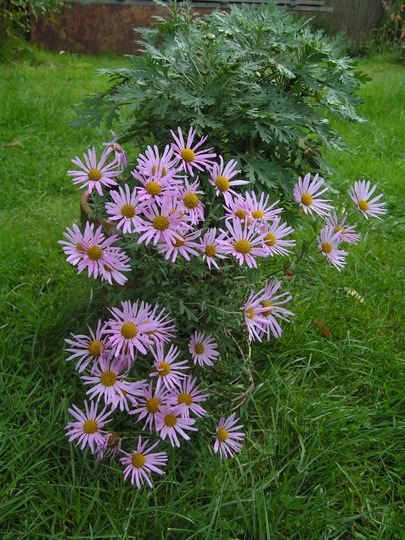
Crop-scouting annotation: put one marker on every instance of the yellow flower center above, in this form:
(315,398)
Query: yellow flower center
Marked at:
(363,205)
(257,214)
(327,247)
(164,172)
(160,223)
(170,420)
(241,214)
(94,253)
(95,348)
(188,155)
(199,348)
(210,250)
(222,183)
(128,210)
(191,200)
(153,188)
(94,175)
(138,461)
(267,304)
(243,246)
(153,405)
(129,330)
(222,434)
(178,243)
(185,398)
(164,369)
(90,426)
(339,229)
(250,313)
(307,199)
(108,378)
(270,239)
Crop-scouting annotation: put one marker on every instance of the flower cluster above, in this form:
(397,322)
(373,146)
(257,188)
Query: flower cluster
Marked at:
(183,207)
(166,405)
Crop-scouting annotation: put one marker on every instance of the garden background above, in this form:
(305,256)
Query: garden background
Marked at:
(324,455)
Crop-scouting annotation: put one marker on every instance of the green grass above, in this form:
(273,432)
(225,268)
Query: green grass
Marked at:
(324,456)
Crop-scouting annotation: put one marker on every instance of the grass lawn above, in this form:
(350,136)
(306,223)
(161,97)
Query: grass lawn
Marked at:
(325,450)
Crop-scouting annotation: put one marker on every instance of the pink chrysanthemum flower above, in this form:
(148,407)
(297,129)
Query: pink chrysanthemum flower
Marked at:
(259,208)
(87,428)
(127,331)
(170,423)
(243,242)
(184,246)
(169,373)
(120,156)
(142,462)
(95,175)
(109,446)
(149,405)
(347,232)
(155,190)
(236,208)
(328,243)
(125,208)
(189,395)
(307,193)
(274,238)
(221,178)
(164,329)
(86,349)
(108,381)
(187,152)
(189,197)
(163,222)
(228,437)
(264,309)
(158,167)
(360,194)
(203,349)
(91,250)
(111,270)
(212,248)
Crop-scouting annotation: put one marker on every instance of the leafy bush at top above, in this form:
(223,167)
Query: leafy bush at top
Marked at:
(256,80)
(15,14)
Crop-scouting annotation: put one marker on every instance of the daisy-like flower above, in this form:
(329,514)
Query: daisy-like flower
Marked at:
(164,329)
(86,349)
(212,248)
(260,209)
(108,381)
(307,193)
(120,156)
(184,246)
(221,178)
(328,243)
(87,428)
(360,193)
(127,331)
(142,462)
(163,222)
(236,208)
(189,154)
(338,225)
(264,309)
(228,437)
(169,373)
(91,250)
(125,208)
(189,197)
(274,238)
(155,190)
(111,270)
(244,242)
(109,446)
(95,174)
(148,405)
(170,423)
(203,349)
(158,167)
(189,395)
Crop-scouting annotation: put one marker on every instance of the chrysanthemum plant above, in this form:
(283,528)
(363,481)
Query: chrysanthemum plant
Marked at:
(189,255)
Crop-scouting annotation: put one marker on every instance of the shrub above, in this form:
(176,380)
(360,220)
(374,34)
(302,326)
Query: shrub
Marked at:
(15,14)
(259,82)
